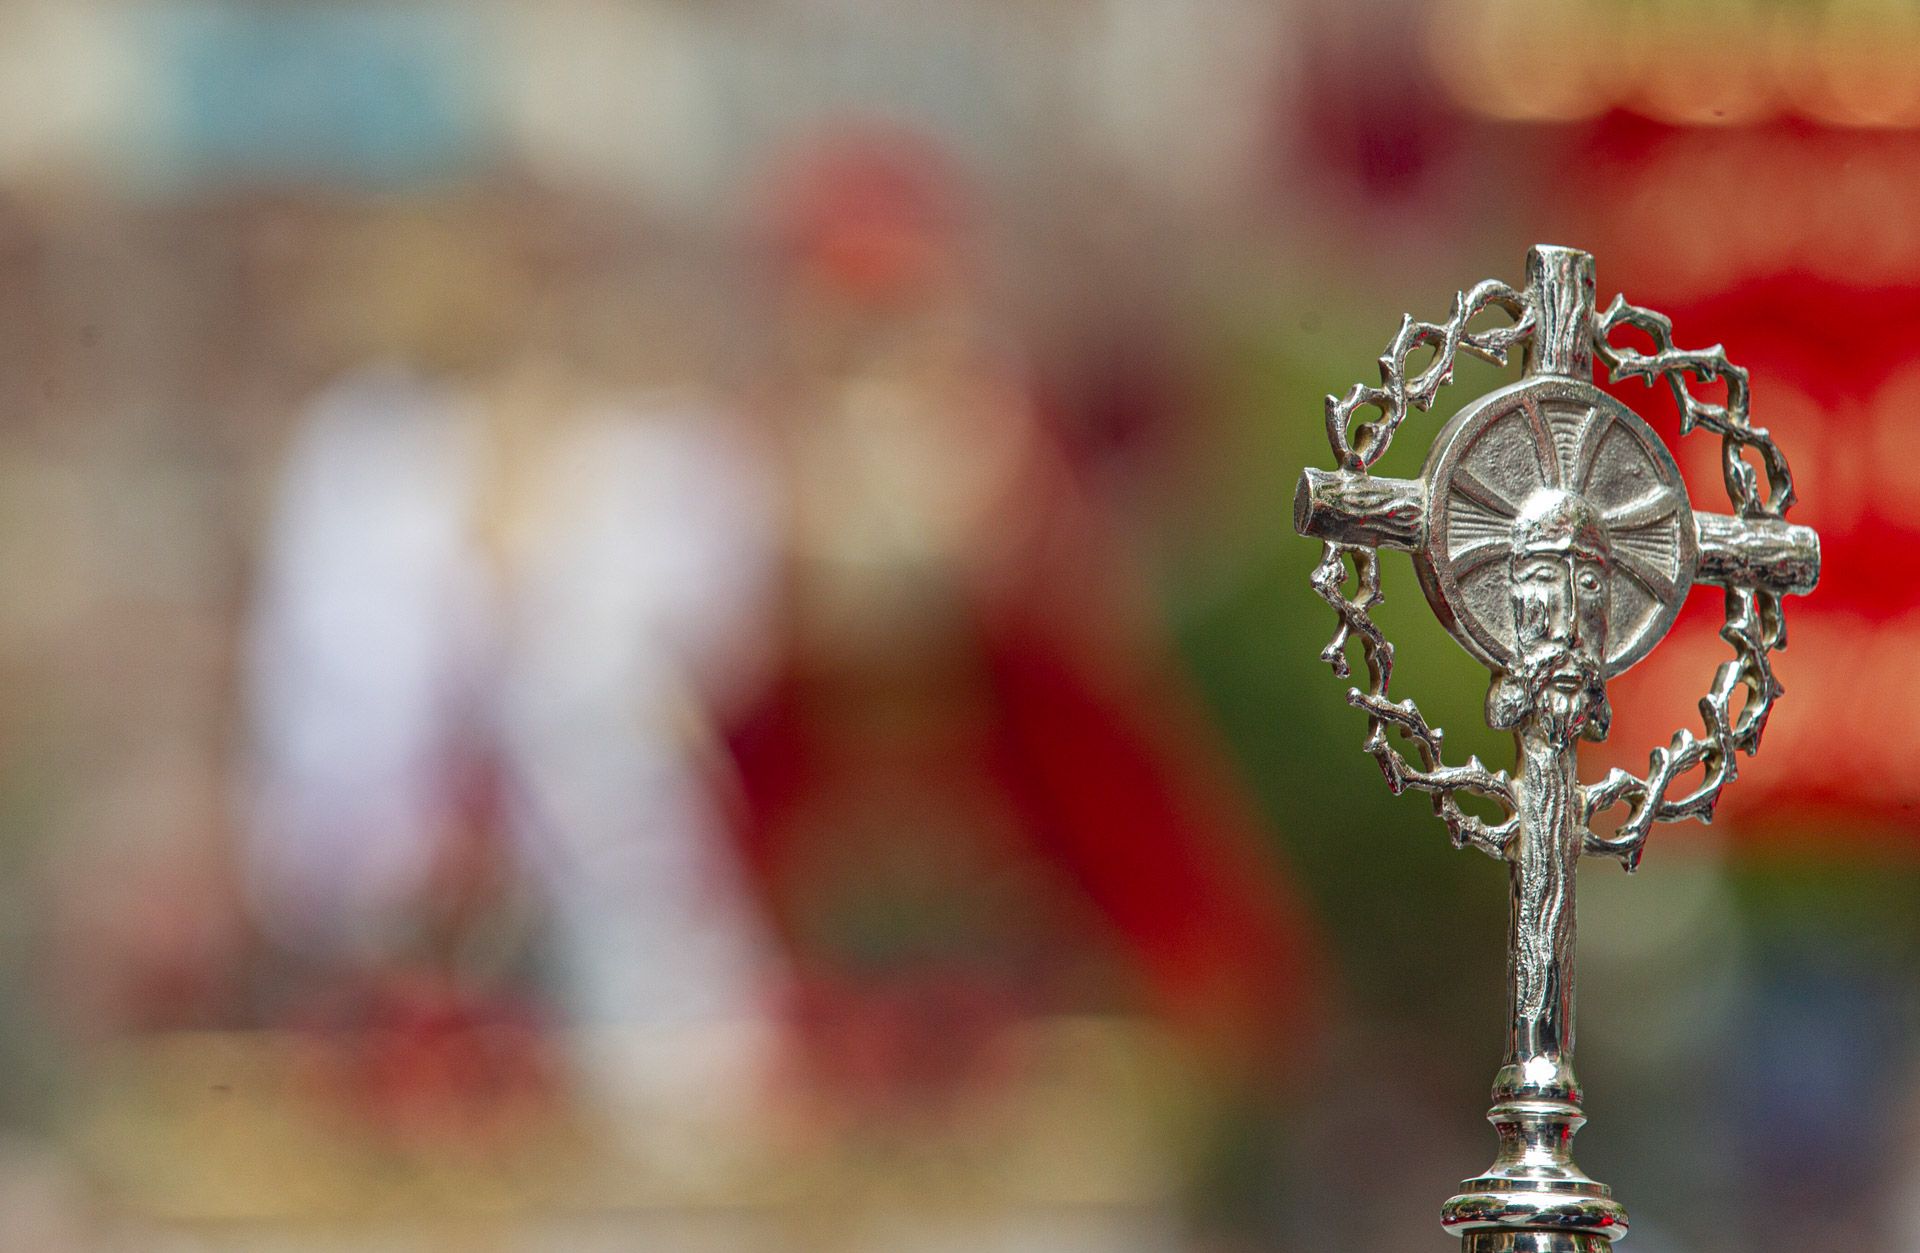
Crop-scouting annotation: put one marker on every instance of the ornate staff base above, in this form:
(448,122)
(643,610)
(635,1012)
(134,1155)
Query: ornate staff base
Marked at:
(1532,1242)
(1534,1199)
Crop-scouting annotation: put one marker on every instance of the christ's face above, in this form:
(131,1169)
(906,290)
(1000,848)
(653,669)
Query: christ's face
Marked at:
(1560,607)
(1560,599)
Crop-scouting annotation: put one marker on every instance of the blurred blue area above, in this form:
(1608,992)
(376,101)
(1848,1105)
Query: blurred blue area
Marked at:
(347,94)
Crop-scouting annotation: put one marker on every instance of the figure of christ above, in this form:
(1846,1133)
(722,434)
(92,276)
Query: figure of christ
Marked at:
(1554,694)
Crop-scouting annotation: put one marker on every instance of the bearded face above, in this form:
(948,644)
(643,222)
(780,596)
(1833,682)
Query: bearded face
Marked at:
(1560,603)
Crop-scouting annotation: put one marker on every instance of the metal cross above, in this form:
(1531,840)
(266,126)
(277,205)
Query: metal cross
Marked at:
(1554,538)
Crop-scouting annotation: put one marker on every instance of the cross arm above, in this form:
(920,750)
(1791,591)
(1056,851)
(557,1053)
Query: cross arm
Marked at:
(1343,508)
(1764,553)
(1362,509)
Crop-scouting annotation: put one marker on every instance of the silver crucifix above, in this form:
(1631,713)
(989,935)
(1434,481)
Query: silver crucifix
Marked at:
(1554,538)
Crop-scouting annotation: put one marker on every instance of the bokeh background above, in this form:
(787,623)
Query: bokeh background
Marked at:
(672,624)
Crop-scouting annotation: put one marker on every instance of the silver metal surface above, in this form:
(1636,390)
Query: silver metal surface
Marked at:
(1526,447)
(1553,537)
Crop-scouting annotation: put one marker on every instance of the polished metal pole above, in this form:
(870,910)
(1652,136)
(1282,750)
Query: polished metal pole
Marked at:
(1536,1095)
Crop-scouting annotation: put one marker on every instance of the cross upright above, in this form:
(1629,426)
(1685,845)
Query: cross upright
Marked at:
(1553,536)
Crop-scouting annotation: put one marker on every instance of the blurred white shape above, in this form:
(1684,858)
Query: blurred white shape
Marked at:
(370,629)
(584,657)
(643,579)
